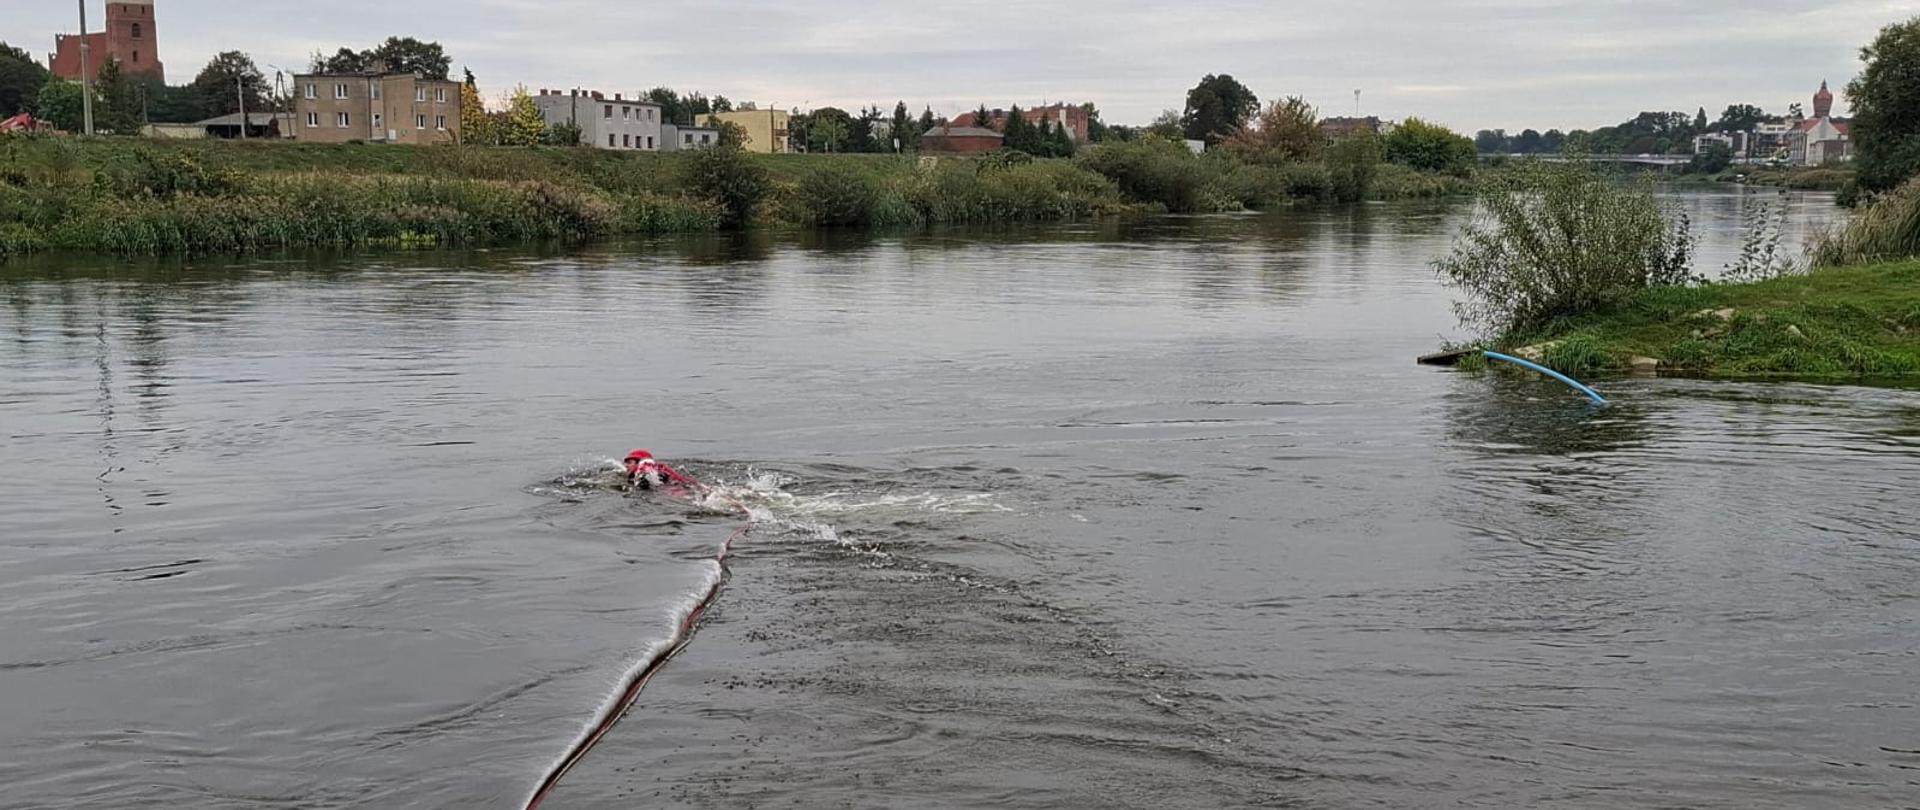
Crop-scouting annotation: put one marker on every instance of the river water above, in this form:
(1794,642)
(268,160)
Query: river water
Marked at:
(1152,514)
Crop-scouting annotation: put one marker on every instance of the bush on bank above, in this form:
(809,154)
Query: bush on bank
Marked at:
(1886,228)
(126,195)
(1551,241)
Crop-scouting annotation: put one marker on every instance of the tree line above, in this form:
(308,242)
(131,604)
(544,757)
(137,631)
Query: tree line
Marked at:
(1649,133)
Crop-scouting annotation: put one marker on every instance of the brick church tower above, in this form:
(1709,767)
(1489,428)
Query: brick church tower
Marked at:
(1823,102)
(129,36)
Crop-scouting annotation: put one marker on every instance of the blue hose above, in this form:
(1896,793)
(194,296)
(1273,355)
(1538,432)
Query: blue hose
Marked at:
(1577,386)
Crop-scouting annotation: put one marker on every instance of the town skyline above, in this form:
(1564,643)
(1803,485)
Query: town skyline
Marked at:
(1508,72)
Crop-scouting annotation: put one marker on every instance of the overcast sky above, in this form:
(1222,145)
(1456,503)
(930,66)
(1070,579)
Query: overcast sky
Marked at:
(1470,64)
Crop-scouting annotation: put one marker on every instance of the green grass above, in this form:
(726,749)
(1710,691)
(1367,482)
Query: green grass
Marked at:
(1802,178)
(1847,322)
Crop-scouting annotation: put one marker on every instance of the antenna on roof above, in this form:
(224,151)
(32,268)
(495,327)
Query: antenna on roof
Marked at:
(1356,103)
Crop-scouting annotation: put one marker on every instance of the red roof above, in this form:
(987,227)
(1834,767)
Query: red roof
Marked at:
(1810,123)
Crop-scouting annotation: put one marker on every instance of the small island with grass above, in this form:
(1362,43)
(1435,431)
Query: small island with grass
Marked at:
(1857,321)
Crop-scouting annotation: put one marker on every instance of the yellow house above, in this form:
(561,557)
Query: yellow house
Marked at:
(766,130)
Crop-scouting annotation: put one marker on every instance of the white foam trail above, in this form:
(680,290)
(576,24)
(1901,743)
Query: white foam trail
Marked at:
(622,693)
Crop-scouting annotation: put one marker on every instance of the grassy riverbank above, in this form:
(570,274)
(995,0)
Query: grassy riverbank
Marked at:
(1845,322)
(1804,178)
(136,196)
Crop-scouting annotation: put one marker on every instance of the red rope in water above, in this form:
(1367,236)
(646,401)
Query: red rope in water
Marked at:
(682,636)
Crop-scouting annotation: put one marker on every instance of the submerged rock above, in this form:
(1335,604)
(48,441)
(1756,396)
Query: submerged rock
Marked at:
(1536,352)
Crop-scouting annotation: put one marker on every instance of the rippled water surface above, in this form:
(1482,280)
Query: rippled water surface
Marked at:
(1144,515)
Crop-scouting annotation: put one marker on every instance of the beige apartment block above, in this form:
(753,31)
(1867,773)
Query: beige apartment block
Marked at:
(375,107)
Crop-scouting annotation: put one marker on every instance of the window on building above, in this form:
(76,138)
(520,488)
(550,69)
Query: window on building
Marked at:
(379,122)
(419,122)
(440,94)
(313,119)
(342,120)
(419,94)
(310,90)
(650,112)
(649,141)
(706,139)
(440,123)
(136,57)
(626,140)
(375,91)
(609,114)
(689,139)
(340,90)
(609,138)
(136,32)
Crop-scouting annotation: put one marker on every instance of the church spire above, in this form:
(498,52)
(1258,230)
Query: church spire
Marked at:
(1823,102)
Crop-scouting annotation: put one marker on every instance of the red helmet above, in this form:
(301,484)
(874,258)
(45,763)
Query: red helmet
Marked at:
(639,455)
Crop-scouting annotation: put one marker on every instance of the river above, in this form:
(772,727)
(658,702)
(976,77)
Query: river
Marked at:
(1150,514)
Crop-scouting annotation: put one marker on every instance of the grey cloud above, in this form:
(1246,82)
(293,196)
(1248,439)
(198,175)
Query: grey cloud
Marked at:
(1468,63)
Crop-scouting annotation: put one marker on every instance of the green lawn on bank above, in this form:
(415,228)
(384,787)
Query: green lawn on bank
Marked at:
(1848,322)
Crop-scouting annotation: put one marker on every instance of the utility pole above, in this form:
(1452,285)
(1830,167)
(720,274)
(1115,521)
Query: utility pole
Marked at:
(86,79)
(240,88)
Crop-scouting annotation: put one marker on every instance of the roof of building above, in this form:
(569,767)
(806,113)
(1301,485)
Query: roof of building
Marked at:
(962,132)
(1811,123)
(593,96)
(233,120)
(369,74)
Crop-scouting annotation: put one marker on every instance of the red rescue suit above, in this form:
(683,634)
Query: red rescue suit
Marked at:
(646,472)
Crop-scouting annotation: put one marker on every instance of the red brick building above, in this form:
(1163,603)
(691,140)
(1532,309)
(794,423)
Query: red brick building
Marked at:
(1074,118)
(128,36)
(959,140)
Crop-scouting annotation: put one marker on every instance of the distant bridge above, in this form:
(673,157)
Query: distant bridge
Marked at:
(1661,161)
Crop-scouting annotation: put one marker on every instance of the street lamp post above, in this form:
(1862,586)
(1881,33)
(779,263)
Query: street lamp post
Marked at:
(86,80)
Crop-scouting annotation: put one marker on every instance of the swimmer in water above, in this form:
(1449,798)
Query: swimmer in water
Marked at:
(645,472)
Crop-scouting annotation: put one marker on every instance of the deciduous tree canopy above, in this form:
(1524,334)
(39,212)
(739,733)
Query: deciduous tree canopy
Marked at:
(1217,108)
(1886,108)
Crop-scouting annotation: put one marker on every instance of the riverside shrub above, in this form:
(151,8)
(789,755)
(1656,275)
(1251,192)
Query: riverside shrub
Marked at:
(834,195)
(1557,240)
(1152,170)
(728,177)
(1886,228)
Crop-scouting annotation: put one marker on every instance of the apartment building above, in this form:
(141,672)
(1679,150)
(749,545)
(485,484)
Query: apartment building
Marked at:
(617,123)
(766,131)
(379,107)
(679,138)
